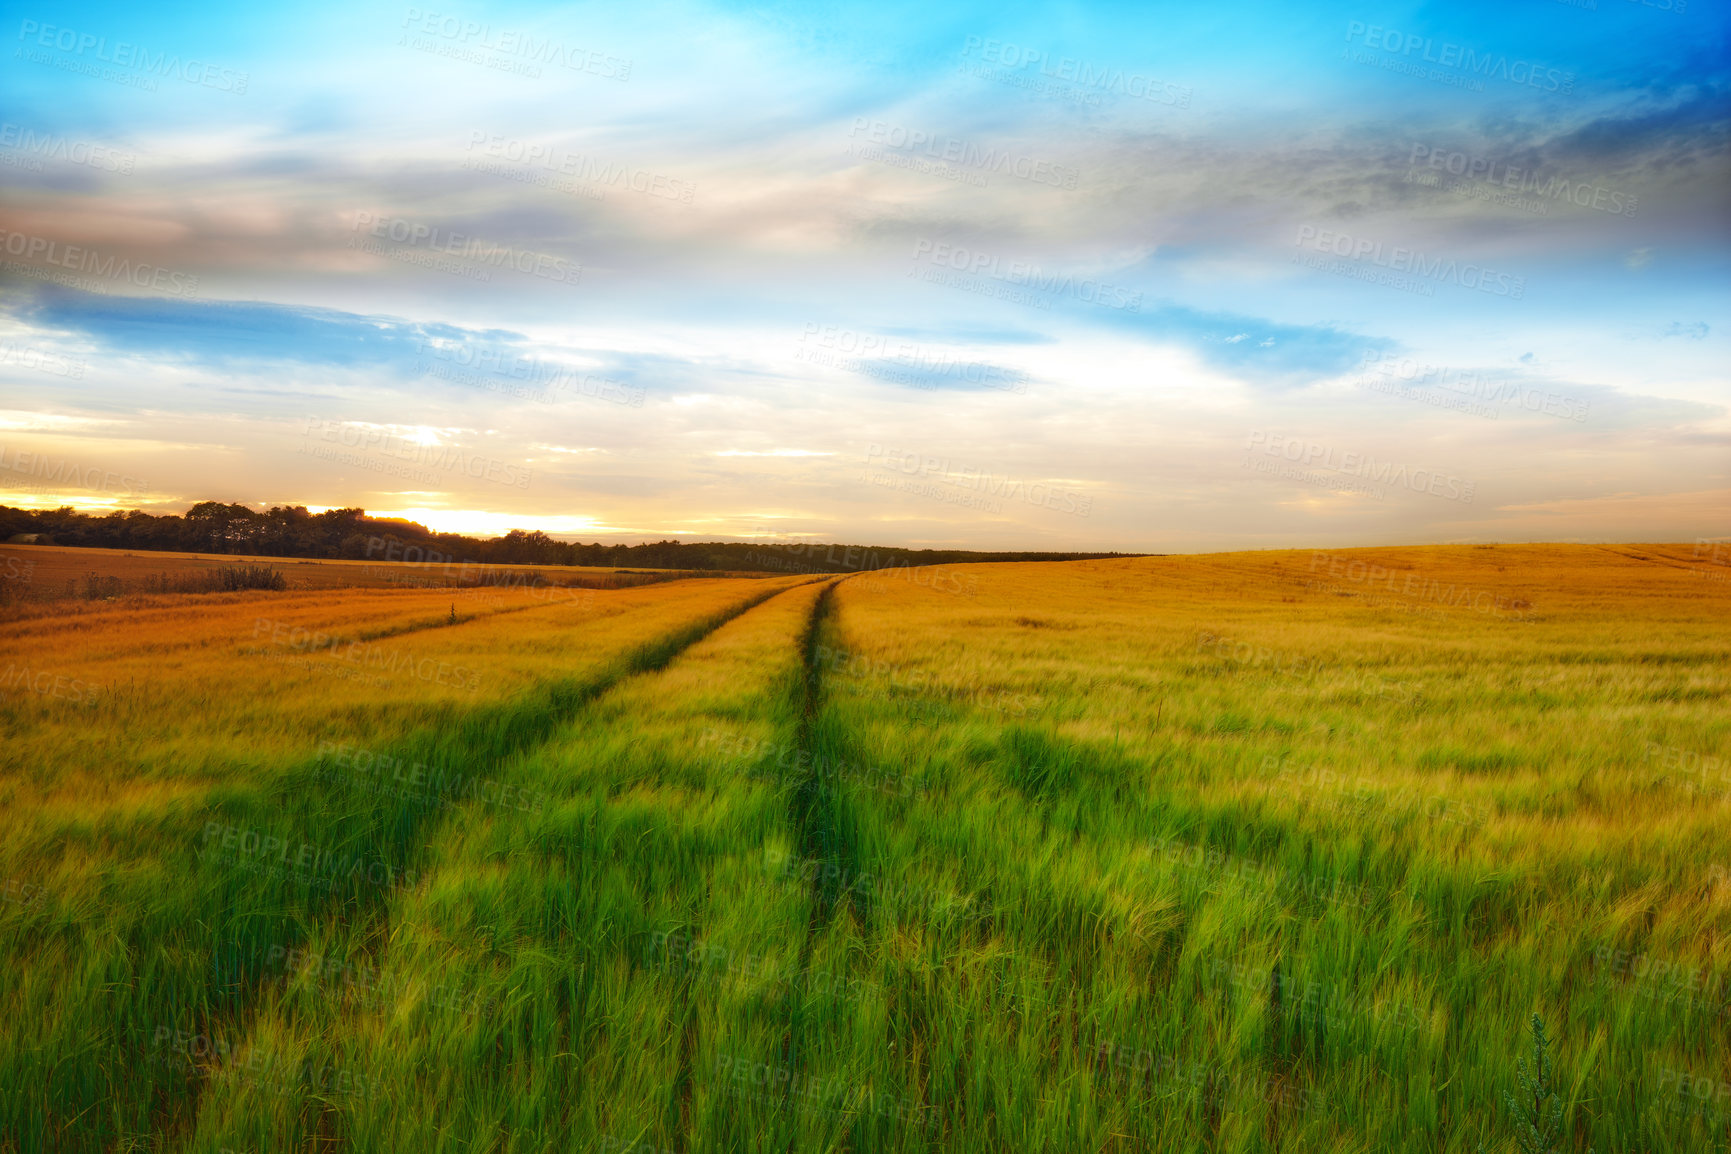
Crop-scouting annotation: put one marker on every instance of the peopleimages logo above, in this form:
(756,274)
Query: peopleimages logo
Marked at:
(1363,249)
(493,367)
(962,476)
(580,167)
(901,361)
(367,654)
(1313,455)
(1476,386)
(963,153)
(60,148)
(1085,289)
(472,40)
(132,56)
(1090,79)
(1484,170)
(437,241)
(79,259)
(447,458)
(1451,55)
(66,473)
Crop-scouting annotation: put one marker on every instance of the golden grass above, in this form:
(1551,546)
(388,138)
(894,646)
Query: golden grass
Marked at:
(53,566)
(1267,851)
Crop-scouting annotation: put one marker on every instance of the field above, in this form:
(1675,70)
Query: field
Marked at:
(36,579)
(1243,852)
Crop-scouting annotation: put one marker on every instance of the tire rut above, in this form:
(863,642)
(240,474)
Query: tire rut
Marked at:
(487,740)
(813,821)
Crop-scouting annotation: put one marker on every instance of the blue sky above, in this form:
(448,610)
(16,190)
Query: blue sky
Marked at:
(1143,277)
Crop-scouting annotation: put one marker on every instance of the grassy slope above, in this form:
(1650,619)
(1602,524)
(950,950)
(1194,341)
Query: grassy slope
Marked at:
(138,960)
(1245,852)
(1267,866)
(53,580)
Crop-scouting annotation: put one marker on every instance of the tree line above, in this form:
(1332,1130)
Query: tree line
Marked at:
(293,531)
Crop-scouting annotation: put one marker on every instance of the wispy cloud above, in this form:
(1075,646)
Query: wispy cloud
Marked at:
(608,273)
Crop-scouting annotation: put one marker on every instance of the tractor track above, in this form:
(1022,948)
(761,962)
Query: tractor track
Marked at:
(505,732)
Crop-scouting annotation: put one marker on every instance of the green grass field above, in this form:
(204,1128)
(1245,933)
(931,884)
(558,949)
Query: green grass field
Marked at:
(1247,852)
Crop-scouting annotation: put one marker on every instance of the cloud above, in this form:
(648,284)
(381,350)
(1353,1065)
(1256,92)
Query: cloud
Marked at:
(1261,352)
(1692,128)
(227,333)
(696,305)
(929,371)
(1695,332)
(773,453)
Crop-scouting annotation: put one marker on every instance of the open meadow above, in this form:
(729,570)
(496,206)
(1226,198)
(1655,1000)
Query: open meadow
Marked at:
(40,578)
(1238,852)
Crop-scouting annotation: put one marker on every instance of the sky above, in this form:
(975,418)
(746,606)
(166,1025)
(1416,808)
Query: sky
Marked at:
(1151,277)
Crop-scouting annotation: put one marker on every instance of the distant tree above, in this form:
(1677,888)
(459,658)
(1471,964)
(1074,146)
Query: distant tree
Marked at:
(295,531)
(221,528)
